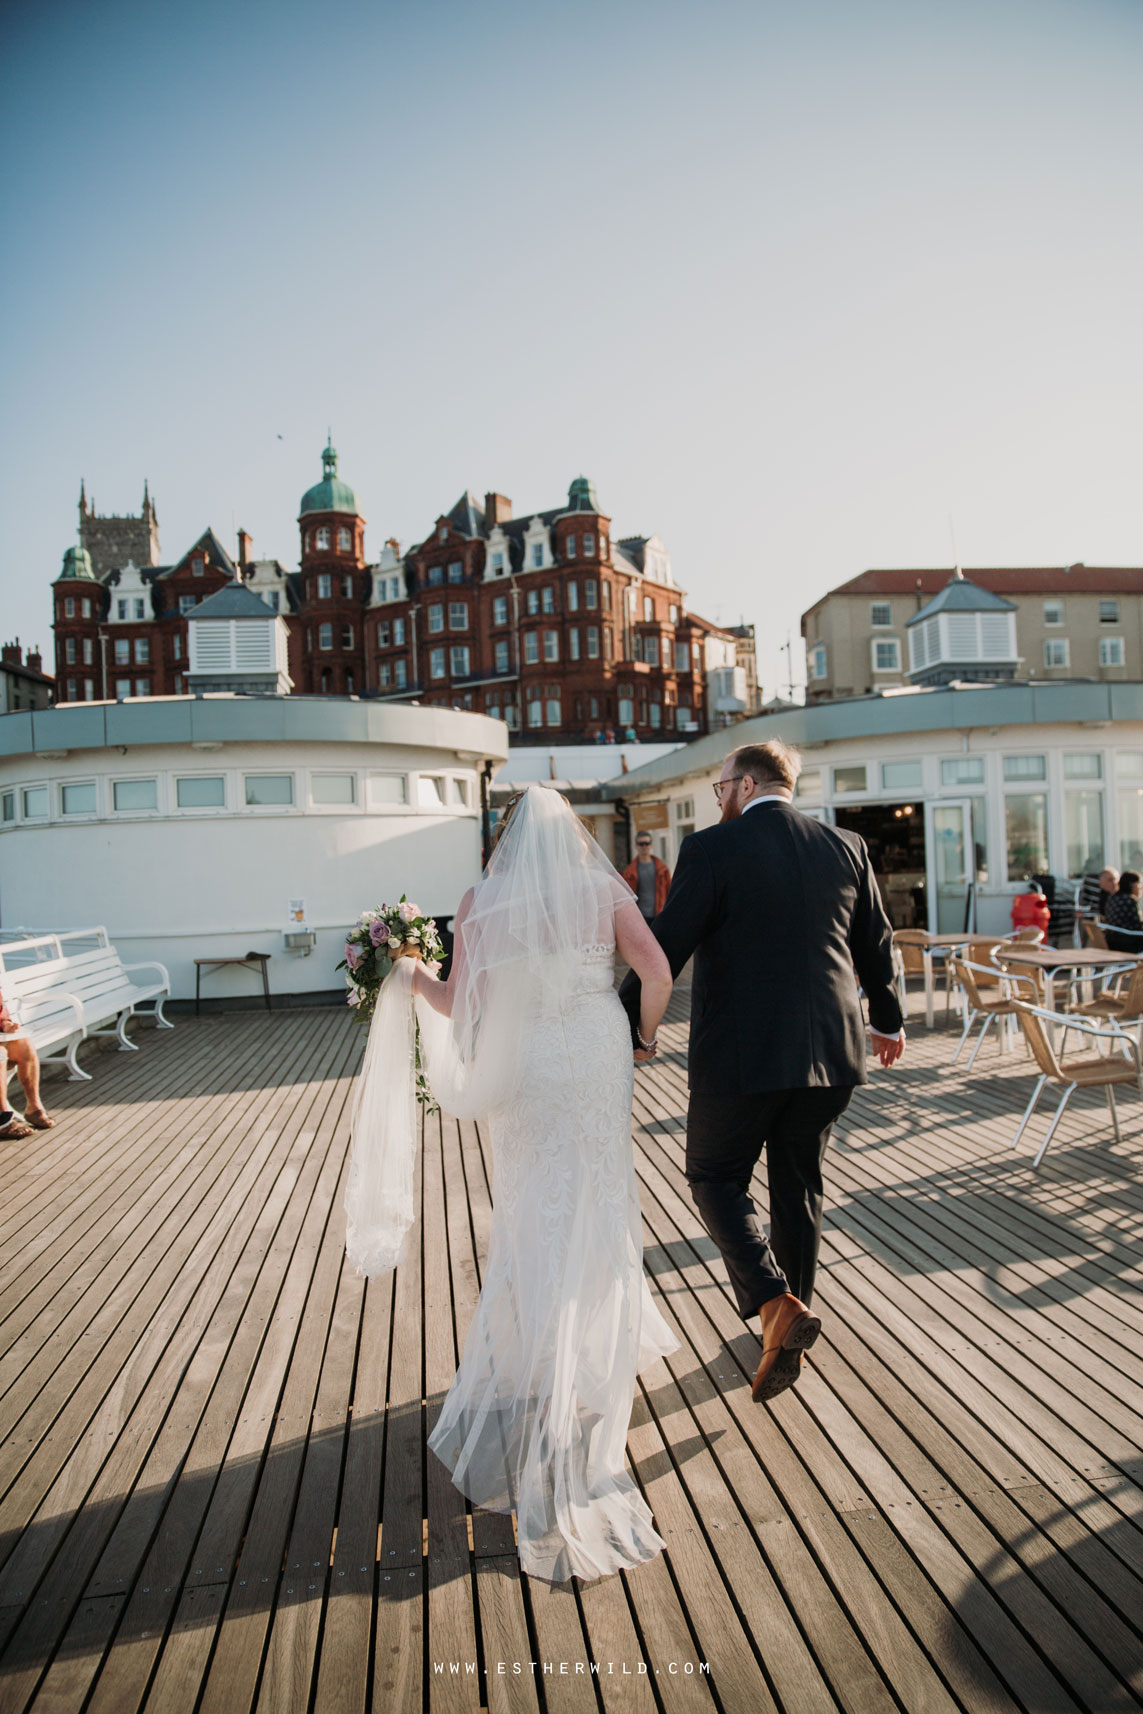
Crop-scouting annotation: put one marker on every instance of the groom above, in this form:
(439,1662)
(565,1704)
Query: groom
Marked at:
(784,919)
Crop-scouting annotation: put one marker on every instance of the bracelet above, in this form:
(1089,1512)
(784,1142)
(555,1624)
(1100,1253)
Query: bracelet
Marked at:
(646,1045)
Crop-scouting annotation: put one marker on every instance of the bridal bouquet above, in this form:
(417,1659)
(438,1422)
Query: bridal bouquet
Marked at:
(381,936)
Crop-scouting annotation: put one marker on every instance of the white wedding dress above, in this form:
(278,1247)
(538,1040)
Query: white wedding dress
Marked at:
(537,1417)
(536,1045)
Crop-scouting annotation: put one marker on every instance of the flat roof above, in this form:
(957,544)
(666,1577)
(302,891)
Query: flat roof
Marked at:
(949,708)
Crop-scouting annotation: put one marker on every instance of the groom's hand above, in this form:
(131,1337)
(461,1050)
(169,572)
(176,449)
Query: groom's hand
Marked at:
(643,1054)
(888,1048)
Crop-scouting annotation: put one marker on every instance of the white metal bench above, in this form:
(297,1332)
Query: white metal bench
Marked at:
(65,987)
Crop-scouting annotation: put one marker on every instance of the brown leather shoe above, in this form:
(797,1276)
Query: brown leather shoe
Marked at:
(788,1329)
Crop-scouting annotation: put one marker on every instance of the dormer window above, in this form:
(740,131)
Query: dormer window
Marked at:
(537,556)
(198,567)
(498,565)
(344,541)
(121,609)
(456,571)
(443,535)
(436,574)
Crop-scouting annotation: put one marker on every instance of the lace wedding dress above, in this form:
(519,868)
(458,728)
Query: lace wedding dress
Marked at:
(537,1417)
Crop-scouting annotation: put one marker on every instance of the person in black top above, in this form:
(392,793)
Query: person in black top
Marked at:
(1122,924)
(784,918)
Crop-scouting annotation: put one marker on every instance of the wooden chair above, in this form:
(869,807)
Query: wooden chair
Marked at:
(1091,934)
(974,978)
(1116,1003)
(910,943)
(1102,1071)
(1027,936)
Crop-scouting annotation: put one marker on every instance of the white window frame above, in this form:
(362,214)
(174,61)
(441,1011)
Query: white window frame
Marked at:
(208,809)
(879,643)
(1106,645)
(1057,646)
(320,808)
(1054,613)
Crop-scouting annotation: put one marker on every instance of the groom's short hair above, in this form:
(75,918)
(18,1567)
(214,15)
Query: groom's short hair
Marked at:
(770,764)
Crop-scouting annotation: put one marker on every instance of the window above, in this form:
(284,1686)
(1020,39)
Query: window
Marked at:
(458,792)
(270,597)
(682,657)
(142,651)
(569,547)
(626,706)
(333,788)
(1087,766)
(198,566)
(532,602)
(309,639)
(656,714)
(1026,834)
(177,648)
(323,539)
(121,609)
(269,788)
(1055,651)
(607,642)
(551,645)
(603,547)
(436,616)
(500,610)
(963,771)
(347,636)
(325,586)
(72,691)
(458,660)
(498,565)
(178,684)
(1109,612)
(384,675)
(651,651)
(1112,652)
(458,615)
(325,636)
(1129,798)
(590,593)
(8,806)
(69,607)
(347,585)
(573,643)
(187,604)
(809,783)
(443,533)
(537,555)
(593,642)
(140,608)
(85,604)
(400,673)
(648,609)
(901,776)
(436,575)
(399,633)
(1053,612)
(456,571)
(383,634)
(201,791)
(142,687)
(502,655)
(1083,831)
(851,779)
(345,545)
(436,663)
(588,545)
(535,709)
(1024,768)
(78,799)
(552,708)
(122,687)
(531,648)
(886,655)
(881,613)
(606,595)
(547,599)
(387,788)
(573,596)
(818,661)
(69,651)
(34,802)
(122,651)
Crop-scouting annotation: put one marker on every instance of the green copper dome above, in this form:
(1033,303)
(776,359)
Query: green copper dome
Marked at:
(581,496)
(329,495)
(76,563)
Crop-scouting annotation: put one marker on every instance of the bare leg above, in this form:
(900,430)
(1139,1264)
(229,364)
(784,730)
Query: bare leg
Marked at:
(27,1063)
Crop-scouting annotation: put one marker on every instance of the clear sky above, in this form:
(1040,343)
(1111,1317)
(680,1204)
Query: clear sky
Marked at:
(793,284)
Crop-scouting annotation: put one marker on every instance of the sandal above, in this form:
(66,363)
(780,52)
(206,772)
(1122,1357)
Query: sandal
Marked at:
(14,1130)
(40,1121)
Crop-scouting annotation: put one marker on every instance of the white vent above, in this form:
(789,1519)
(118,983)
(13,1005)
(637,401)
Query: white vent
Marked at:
(997,634)
(253,642)
(210,645)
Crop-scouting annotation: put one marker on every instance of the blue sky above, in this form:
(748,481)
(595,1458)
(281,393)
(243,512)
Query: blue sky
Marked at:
(792,284)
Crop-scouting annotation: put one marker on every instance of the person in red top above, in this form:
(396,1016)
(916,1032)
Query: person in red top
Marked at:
(648,877)
(1030,909)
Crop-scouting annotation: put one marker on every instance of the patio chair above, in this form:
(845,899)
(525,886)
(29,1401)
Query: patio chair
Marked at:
(1091,934)
(910,943)
(1115,1002)
(1102,1071)
(1001,1004)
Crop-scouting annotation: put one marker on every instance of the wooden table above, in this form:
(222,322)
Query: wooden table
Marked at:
(252,960)
(1050,960)
(949,943)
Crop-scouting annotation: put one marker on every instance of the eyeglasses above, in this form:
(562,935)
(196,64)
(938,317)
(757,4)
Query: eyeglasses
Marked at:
(721,785)
(643,844)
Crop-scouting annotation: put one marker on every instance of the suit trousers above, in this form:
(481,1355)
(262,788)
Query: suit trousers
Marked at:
(725,1138)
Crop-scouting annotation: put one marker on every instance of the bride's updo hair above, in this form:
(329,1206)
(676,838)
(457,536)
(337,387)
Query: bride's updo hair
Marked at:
(510,808)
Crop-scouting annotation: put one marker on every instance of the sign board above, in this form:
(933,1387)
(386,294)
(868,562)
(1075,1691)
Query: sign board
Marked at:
(648,816)
(296,913)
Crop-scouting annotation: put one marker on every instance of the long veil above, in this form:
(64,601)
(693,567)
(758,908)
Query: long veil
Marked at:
(548,896)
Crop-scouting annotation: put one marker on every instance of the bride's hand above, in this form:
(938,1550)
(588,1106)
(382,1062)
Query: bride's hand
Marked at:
(643,1054)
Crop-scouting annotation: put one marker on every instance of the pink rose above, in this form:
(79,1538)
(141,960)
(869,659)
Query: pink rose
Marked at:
(379,933)
(353,955)
(407,911)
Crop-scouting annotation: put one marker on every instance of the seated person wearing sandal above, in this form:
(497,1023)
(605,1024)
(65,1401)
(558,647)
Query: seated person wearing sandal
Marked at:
(19,1055)
(1122,923)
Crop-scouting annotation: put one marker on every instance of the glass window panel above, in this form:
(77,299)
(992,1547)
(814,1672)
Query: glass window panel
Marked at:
(1129,764)
(269,788)
(1086,767)
(35,800)
(901,776)
(963,771)
(78,799)
(458,791)
(388,788)
(851,779)
(430,791)
(333,788)
(201,792)
(1026,834)
(1130,827)
(1024,768)
(135,794)
(1083,829)
(809,784)
(980,835)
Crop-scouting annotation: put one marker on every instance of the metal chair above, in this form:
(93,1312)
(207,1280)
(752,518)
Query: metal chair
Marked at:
(1091,934)
(1002,1004)
(1103,1071)
(1114,1002)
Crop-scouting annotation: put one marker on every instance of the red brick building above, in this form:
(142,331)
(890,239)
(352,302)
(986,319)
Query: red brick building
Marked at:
(546,620)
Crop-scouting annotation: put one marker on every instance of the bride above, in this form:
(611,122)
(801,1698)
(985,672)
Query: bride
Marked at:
(528,1033)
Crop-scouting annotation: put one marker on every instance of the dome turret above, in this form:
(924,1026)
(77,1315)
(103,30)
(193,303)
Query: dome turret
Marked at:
(330,494)
(76,563)
(581,496)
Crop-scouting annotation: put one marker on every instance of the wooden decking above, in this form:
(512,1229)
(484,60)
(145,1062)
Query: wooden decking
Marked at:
(216,1493)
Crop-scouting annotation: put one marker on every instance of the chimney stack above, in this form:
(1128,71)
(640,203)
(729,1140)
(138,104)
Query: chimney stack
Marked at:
(497,509)
(244,540)
(35,661)
(12,655)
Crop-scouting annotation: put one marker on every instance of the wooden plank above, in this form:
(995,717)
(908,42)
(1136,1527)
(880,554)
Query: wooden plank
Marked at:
(510,1686)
